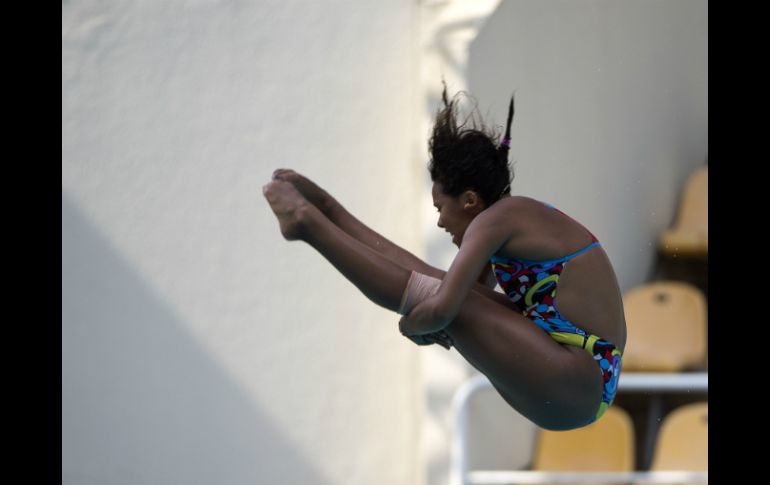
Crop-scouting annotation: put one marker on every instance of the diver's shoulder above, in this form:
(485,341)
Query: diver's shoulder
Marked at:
(513,211)
(517,202)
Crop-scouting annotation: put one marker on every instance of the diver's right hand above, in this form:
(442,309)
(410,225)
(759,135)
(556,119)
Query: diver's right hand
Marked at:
(432,338)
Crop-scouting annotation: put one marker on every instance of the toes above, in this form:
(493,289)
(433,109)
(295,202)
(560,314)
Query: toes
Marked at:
(285,175)
(273,189)
(268,190)
(281,173)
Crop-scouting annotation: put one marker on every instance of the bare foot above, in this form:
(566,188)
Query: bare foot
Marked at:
(289,207)
(309,189)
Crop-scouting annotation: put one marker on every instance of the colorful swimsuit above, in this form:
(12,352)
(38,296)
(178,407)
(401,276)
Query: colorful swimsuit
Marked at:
(532,286)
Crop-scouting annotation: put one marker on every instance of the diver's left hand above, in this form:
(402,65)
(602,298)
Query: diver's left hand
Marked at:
(440,338)
(423,319)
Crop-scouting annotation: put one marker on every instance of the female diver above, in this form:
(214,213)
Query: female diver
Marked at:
(556,365)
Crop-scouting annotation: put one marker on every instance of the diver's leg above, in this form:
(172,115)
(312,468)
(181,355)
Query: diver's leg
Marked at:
(346,221)
(378,278)
(351,225)
(556,387)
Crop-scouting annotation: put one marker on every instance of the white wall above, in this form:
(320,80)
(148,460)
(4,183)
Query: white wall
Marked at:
(198,346)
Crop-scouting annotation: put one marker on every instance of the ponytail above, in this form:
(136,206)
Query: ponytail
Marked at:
(505,145)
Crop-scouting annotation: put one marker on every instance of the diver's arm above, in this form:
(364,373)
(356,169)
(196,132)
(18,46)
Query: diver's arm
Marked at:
(484,236)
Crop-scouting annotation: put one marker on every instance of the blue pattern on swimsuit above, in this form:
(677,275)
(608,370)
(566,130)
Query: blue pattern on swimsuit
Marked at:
(532,286)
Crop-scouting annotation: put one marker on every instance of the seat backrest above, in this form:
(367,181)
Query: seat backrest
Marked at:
(689,235)
(683,439)
(693,208)
(667,326)
(605,445)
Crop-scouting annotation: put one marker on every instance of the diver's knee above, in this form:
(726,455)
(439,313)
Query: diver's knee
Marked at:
(418,288)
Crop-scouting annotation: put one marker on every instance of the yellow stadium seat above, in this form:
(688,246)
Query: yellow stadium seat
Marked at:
(667,327)
(689,237)
(606,445)
(683,440)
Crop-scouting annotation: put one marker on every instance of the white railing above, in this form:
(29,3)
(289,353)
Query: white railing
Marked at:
(660,382)
(519,477)
(629,382)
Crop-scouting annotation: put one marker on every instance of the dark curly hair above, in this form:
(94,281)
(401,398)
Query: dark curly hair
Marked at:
(469,156)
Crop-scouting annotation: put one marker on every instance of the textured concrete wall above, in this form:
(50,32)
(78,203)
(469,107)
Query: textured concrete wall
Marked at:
(198,346)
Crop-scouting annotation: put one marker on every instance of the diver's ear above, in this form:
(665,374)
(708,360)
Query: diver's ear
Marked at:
(472,201)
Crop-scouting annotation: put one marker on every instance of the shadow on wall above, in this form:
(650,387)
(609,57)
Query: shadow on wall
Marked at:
(142,402)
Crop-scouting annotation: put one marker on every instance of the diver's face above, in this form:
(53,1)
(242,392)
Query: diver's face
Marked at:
(455,213)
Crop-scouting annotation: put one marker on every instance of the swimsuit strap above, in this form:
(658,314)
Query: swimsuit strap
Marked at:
(530,262)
